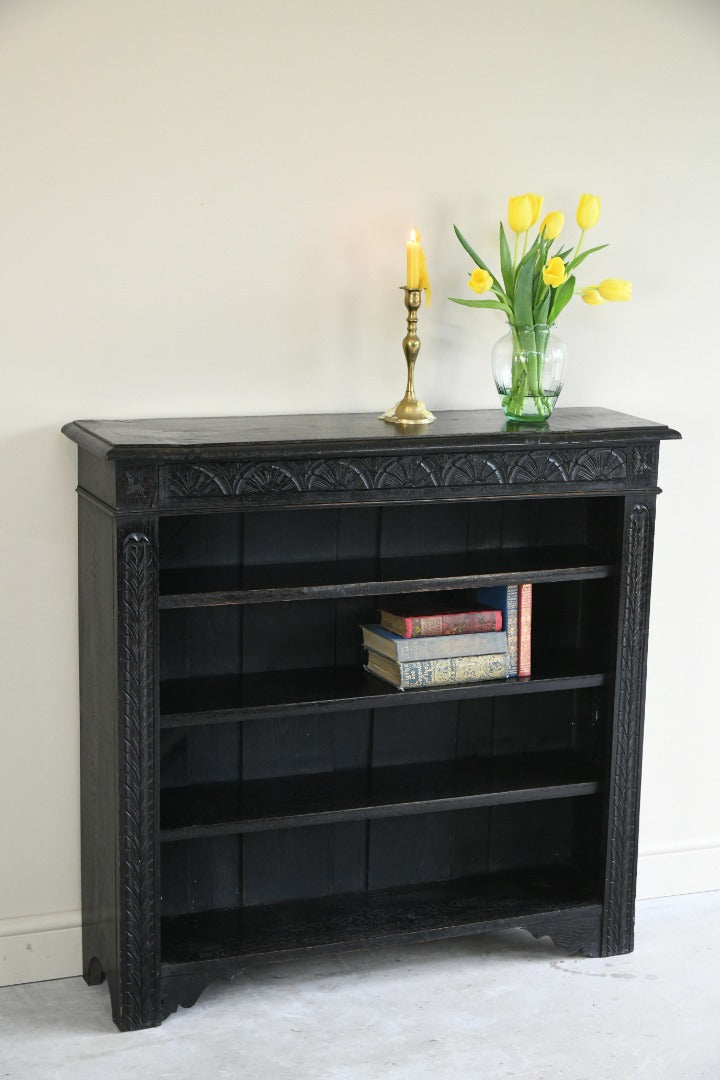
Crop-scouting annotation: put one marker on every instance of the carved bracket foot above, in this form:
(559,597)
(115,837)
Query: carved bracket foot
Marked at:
(575,932)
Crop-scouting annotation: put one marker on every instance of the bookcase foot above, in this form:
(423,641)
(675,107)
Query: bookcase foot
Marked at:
(182,991)
(578,932)
(94,973)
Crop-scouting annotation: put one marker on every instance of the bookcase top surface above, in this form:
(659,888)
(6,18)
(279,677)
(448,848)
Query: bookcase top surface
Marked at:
(174,438)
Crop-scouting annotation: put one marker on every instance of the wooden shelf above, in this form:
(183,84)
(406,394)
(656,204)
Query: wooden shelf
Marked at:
(360,920)
(223,585)
(356,794)
(221,699)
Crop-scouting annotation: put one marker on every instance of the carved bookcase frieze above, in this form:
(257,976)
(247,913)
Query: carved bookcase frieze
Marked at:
(601,467)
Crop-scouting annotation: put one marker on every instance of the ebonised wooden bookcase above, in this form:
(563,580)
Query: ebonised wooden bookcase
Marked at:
(249,792)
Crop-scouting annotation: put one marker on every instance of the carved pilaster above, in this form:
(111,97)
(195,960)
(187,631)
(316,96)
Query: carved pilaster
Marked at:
(137,1003)
(619,910)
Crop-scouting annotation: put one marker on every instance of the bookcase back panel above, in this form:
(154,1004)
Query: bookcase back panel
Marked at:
(319,634)
(307,745)
(195,540)
(293,864)
(249,542)
(278,538)
(368,856)
(201,876)
(573,720)
(567,721)
(575,616)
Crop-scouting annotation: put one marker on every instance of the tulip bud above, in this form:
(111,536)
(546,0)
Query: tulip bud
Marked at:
(592,297)
(613,288)
(554,272)
(588,211)
(520,213)
(552,224)
(536,202)
(480,281)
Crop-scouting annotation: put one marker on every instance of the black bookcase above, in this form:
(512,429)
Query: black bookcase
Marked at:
(249,792)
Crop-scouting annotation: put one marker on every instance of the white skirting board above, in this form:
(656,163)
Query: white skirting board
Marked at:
(690,868)
(40,947)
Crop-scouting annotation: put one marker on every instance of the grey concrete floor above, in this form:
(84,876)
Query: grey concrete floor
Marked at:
(492,1006)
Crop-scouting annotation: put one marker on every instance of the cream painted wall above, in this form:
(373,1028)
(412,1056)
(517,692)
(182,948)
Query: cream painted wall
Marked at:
(203,210)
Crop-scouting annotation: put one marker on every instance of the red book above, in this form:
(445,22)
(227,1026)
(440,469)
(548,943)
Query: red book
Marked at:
(433,623)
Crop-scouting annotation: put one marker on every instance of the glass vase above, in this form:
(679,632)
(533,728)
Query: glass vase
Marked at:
(528,365)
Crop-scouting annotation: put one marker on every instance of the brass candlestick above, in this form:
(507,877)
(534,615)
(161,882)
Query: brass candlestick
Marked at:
(410,411)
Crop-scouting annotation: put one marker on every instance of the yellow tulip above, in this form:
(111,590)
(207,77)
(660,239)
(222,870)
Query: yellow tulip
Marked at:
(520,213)
(554,272)
(536,201)
(592,297)
(613,288)
(588,211)
(552,224)
(480,281)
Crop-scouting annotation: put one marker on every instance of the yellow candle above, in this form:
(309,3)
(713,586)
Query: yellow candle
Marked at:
(413,261)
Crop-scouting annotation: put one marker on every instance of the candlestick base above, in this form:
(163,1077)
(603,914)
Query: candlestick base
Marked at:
(410,412)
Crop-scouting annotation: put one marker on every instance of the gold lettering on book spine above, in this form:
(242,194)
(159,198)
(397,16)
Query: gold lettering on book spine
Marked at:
(524,628)
(427,626)
(459,669)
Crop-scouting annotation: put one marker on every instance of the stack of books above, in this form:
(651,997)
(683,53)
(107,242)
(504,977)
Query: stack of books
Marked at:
(441,645)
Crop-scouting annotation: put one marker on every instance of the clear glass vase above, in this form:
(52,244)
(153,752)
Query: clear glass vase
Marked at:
(528,365)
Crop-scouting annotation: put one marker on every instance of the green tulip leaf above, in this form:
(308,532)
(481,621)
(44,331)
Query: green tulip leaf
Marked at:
(481,303)
(541,303)
(541,308)
(523,291)
(562,297)
(506,264)
(579,258)
(528,259)
(544,253)
(474,256)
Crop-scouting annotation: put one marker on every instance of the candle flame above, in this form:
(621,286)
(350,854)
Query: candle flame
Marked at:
(413,236)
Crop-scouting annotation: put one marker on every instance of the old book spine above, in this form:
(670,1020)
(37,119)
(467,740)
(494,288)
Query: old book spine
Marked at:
(524,629)
(465,622)
(511,625)
(402,649)
(443,672)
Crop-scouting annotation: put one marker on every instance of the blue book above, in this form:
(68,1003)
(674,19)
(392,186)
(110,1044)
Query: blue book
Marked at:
(505,599)
(439,647)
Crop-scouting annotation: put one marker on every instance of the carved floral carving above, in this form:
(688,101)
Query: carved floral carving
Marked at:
(645,460)
(138,483)
(538,468)
(599,466)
